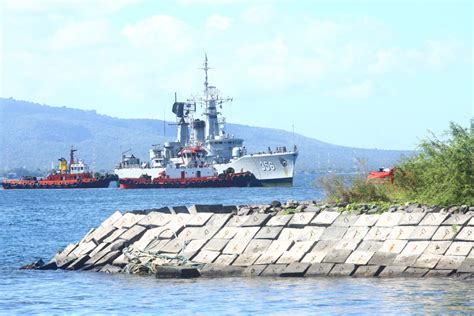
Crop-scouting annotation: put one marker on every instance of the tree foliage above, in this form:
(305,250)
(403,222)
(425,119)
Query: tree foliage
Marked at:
(442,173)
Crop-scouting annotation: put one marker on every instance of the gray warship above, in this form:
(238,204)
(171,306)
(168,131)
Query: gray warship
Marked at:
(222,152)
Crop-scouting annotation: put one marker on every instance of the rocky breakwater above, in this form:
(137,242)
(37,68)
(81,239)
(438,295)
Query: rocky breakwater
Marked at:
(295,239)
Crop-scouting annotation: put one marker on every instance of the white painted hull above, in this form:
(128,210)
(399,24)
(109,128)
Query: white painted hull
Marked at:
(270,169)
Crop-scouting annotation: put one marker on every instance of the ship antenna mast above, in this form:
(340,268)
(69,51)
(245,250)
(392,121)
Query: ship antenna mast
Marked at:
(206,82)
(71,157)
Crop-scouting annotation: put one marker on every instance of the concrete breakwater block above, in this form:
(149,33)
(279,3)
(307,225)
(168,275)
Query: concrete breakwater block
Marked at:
(155,219)
(342,269)
(295,270)
(256,220)
(367,271)
(254,270)
(457,219)
(401,232)
(393,246)
(410,219)
(167,272)
(280,220)
(333,233)
(325,218)
(108,268)
(219,220)
(370,245)
(467,266)
(389,219)
(382,259)
(246,259)
(337,256)
(211,208)
(255,241)
(392,271)
(78,263)
(274,252)
(319,269)
(226,260)
(445,233)
(367,220)
(268,232)
(433,219)
(314,256)
(356,232)
(206,256)
(199,220)
(273,270)
(301,219)
(258,246)
(345,220)
(214,271)
(466,234)
(216,244)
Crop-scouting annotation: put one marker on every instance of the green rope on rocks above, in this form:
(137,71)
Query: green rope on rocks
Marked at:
(146,262)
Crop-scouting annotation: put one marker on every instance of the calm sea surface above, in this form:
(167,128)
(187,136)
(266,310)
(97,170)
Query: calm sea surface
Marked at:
(35,224)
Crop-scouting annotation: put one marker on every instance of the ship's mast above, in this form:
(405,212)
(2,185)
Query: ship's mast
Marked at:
(211,100)
(206,82)
(71,156)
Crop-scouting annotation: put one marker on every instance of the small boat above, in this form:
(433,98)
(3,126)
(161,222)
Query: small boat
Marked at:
(75,175)
(192,171)
(383,173)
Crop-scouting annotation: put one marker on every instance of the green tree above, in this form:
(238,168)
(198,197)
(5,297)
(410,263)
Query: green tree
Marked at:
(443,171)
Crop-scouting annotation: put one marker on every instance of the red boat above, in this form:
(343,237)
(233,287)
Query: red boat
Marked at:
(242,179)
(75,175)
(383,173)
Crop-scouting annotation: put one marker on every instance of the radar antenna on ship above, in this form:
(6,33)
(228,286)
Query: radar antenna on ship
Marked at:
(71,157)
(211,100)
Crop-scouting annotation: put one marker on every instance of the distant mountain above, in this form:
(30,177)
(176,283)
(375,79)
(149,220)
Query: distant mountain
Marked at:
(34,136)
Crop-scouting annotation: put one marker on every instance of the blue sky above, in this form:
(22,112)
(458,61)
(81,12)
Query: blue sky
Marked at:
(373,74)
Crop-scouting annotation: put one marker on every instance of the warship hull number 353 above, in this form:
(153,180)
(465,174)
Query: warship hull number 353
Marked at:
(204,150)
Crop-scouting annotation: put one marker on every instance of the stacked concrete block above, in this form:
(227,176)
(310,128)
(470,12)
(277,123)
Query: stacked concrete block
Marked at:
(413,241)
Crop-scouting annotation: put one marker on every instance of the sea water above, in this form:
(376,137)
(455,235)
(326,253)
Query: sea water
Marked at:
(35,224)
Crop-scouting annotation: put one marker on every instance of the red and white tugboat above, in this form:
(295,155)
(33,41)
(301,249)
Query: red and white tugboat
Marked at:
(75,175)
(192,171)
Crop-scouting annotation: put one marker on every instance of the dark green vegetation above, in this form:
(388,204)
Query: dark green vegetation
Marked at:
(442,173)
(35,135)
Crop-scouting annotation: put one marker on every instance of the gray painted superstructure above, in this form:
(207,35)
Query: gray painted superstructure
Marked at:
(224,151)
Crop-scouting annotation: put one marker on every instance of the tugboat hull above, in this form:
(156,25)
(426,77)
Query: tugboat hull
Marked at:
(226,181)
(66,184)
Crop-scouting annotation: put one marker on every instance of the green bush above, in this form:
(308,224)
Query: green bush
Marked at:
(352,189)
(442,173)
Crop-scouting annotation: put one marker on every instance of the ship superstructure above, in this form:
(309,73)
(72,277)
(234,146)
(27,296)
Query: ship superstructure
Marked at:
(222,151)
(72,175)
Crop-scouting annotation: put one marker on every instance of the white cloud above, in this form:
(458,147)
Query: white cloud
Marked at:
(162,32)
(355,91)
(385,60)
(218,22)
(81,34)
(209,2)
(258,14)
(433,54)
(83,6)
(274,51)
(437,53)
